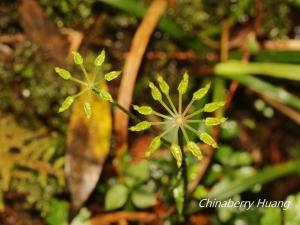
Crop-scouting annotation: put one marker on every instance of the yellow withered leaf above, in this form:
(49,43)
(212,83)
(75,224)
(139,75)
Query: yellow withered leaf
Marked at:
(88,143)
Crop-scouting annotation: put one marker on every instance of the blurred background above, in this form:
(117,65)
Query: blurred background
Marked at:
(60,167)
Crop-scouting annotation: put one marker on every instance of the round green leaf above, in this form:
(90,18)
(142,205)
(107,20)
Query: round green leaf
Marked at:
(65,74)
(154,145)
(213,106)
(176,152)
(100,58)
(156,95)
(144,110)
(116,197)
(112,75)
(141,126)
(201,92)
(66,104)
(77,58)
(207,139)
(142,199)
(183,85)
(164,87)
(195,150)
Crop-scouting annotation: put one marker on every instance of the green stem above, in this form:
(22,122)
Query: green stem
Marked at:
(188,107)
(195,121)
(166,107)
(171,103)
(78,81)
(85,73)
(194,114)
(161,115)
(180,103)
(183,174)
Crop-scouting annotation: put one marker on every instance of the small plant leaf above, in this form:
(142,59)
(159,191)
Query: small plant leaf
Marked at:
(183,85)
(87,109)
(154,145)
(100,59)
(213,106)
(140,171)
(201,92)
(112,75)
(156,95)
(116,197)
(65,74)
(66,104)
(105,95)
(176,152)
(144,110)
(195,150)
(144,125)
(212,121)
(77,58)
(164,87)
(207,139)
(143,199)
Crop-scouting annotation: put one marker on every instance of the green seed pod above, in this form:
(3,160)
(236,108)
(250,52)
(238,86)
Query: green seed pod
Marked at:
(164,87)
(77,58)
(87,109)
(156,95)
(154,145)
(144,125)
(100,59)
(112,75)
(195,150)
(66,104)
(176,152)
(144,110)
(212,121)
(207,139)
(105,95)
(213,106)
(65,74)
(201,92)
(183,85)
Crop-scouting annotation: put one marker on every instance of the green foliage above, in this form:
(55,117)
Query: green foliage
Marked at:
(57,213)
(29,165)
(133,189)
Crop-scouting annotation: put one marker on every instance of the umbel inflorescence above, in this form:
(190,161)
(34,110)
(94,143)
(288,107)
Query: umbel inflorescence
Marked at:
(178,119)
(90,83)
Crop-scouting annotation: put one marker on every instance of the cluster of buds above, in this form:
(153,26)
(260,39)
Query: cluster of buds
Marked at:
(91,82)
(178,119)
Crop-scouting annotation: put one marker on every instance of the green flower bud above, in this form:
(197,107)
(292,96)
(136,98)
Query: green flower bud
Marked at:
(154,145)
(156,95)
(201,92)
(66,104)
(105,95)
(112,75)
(207,139)
(212,121)
(144,125)
(195,150)
(144,110)
(213,106)
(176,152)
(87,109)
(164,87)
(77,58)
(65,74)
(100,58)
(183,85)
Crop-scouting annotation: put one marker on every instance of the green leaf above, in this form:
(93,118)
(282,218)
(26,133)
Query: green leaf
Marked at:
(213,106)
(154,145)
(65,74)
(144,110)
(77,58)
(105,95)
(100,58)
(66,104)
(164,87)
(112,75)
(201,92)
(212,121)
(116,197)
(207,139)
(144,125)
(183,85)
(143,199)
(139,171)
(272,216)
(82,218)
(156,95)
(87,109)
(291,214)
(176,152)
(57,213)
(195,150)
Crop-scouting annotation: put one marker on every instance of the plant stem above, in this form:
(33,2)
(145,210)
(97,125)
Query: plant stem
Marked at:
(182,173)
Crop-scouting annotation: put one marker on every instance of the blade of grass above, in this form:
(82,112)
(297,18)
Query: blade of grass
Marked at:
(277,70)
(265,88)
